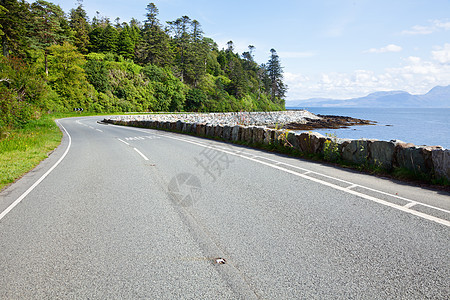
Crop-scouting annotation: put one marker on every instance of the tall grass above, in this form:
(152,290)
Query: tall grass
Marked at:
(22,149)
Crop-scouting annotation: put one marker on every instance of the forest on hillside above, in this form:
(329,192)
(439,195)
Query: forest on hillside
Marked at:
(56,62)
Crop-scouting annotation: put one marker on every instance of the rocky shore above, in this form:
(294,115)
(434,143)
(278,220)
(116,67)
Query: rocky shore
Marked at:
(327,121)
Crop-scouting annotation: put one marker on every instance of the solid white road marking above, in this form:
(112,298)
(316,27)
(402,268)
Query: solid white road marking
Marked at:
(140,153)
(98,130)
(7,210)
(275,165)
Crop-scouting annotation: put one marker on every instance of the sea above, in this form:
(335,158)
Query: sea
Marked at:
(420,126)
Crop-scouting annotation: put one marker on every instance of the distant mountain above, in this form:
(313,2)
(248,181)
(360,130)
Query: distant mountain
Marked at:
(438,97)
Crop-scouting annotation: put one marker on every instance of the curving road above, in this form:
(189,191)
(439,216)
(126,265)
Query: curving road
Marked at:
(128,213)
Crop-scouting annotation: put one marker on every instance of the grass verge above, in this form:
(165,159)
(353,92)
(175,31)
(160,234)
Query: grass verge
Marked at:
(23,149)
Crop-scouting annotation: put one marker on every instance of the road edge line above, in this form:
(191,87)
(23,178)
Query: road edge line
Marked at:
(31,188)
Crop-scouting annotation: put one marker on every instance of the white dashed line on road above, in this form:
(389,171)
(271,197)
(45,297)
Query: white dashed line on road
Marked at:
(124,142)
(140,153)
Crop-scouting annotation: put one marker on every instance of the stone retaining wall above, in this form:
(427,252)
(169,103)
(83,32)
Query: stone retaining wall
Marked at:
(432,160)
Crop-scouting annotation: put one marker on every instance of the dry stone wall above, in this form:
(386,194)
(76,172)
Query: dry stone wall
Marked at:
(432,160)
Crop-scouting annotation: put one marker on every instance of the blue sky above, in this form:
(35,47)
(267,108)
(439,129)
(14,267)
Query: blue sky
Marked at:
(328,48)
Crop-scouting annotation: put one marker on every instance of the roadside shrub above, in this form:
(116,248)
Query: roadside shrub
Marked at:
(195,99)
(22,93)
(331,148)
(97,75)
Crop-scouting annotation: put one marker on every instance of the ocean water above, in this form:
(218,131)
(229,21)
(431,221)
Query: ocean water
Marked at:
(420,126)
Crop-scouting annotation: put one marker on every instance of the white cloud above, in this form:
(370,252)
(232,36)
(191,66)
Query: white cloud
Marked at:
(416,76)
(388,48)
(434,26)
(442,25)
(442,55)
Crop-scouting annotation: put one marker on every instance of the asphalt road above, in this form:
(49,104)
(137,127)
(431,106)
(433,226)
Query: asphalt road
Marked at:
(128,213)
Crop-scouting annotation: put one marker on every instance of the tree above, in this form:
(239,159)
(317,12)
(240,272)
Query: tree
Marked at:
(3,12)
(230,46)
(80,25)
(135,31)
(95,39)
(275,74)
(154,47)
(68,77)
(195,99)
(97,74)
(47,19)
(14,17)
(197,53)
(182,38)
(109,39)
(152,16)
(125,45)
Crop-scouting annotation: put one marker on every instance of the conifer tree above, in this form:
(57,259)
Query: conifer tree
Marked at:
(109,39)
(95,39)
(275,74)
(46,26)
(13,20)
(80,25)
(125,45)
(155,46)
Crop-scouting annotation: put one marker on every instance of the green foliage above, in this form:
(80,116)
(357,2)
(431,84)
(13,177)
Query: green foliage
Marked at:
(22,93)
(125,44)
(97,75)
(3,12)
(68,77)
(331,148)
(13,22)
(195,100)
(275,77)
(109,38)
(80,25)
(47,19)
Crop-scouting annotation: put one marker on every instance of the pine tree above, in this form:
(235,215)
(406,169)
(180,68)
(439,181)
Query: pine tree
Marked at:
(109,39)
(13,20)
(95,39)
(182,39)
(47,21)
(154,48)
(125,45)
(275,75)
(80,25)
(197,54)
(3,12)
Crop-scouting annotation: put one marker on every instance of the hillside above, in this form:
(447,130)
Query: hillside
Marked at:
(437,97)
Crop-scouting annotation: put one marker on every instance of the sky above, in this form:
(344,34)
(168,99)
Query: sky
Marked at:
(336,49)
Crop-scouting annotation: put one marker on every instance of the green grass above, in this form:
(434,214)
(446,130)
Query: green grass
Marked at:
(23,149)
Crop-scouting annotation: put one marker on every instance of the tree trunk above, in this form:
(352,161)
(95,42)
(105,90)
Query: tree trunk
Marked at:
(46,65)
(4,46)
